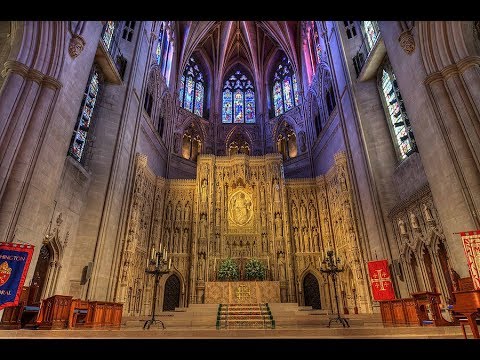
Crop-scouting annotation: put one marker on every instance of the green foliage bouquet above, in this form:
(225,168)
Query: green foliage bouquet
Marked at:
(228,270)
(255,270)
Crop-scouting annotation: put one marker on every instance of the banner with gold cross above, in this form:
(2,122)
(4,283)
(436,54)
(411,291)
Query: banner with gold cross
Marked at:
(14,262)
(380,280)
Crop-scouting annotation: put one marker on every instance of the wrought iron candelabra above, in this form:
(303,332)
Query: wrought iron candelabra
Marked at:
(157,265)
(331,267)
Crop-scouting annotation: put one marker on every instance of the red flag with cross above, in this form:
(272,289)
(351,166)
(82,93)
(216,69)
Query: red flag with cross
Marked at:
(380,280)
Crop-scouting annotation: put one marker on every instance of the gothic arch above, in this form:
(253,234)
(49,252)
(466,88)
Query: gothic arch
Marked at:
(163,282)
(311,289)
(444,43)
(238,129)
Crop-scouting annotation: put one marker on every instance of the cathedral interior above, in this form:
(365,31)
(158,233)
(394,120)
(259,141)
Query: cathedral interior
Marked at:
(214,140)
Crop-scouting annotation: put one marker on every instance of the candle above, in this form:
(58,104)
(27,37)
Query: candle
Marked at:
(152,255)
(160,250)
(169,263)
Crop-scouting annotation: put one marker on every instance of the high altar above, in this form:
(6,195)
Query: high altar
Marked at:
(241,207)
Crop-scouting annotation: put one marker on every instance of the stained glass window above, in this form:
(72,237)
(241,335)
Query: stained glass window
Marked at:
(84,120)
(182,88)
(371,32)
(108,33)
(227,106)
(287,93)
(319,53)
(277,98)
(285,88)
(238,100)
(192,90)
(295,90)
(397,115)
(158,52)
(199,99)
(189,89)
(249,106)
(238,106)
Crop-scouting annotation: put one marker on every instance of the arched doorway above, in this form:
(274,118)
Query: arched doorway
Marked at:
(311,291)
(171,298)
(40,275)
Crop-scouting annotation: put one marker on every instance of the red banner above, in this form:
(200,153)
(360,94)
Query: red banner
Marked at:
(471,245)
(382,287)
(14,262)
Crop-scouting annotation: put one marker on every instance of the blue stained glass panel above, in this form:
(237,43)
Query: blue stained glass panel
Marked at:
(277,98)
(182,89)
(287,93)
(238,106)
(189,89)
(295,90)
(249,106)
(227,106)
(199,99)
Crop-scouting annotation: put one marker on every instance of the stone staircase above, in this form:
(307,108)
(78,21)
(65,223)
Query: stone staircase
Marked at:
(252,316)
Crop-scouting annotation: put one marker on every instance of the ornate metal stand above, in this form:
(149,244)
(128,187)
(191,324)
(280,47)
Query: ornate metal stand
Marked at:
(332,268)
(157,267)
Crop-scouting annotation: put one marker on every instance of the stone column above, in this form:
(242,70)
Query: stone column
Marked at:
(23,139)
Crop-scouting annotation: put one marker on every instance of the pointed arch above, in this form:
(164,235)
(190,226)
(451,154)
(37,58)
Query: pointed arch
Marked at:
(182,300)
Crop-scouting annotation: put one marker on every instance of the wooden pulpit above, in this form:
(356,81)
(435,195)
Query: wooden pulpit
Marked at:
(427,304)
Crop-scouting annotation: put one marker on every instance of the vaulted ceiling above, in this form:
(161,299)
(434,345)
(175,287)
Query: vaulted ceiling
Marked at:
(223,44)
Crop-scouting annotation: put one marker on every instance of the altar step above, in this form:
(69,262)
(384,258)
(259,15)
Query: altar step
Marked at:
(286,316)
(253,316)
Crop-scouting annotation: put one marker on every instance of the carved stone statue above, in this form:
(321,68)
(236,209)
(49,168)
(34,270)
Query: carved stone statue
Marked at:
(185,241)
(414,221)
(263,218)
(278,226)
(201,267)
(178,212)
(303,213)
(264,243)
(315,239)
(297,240)
(203,226)
(217,216)
(402,227)
(186,215)
(203,190)
(427,213)
(294,214)
(169,211)
(313,215)
(276,191)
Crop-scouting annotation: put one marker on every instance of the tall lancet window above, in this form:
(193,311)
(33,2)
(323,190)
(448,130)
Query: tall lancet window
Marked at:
(192,88)
(371,32)
(396,114)
(238,99)
(84,120)
(285,88)
(165,48)
(108,31)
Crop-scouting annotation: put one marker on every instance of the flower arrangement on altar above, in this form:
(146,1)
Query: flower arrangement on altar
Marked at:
(228,270)
(255,270)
